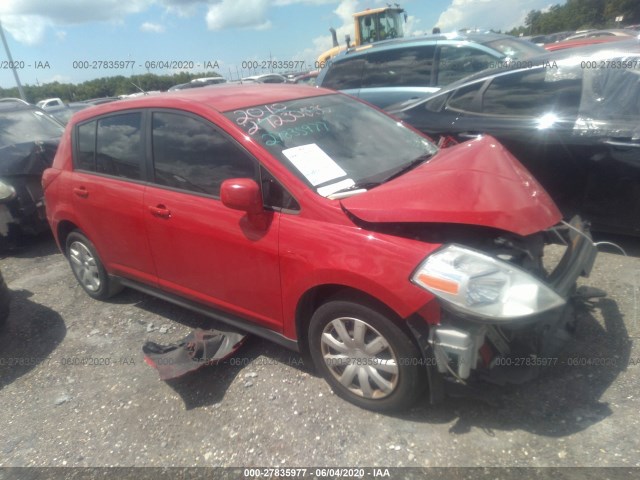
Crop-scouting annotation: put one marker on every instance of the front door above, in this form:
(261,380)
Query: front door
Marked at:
(201,248)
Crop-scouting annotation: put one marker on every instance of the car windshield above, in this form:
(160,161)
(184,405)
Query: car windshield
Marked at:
(333,142)
(24,126)
(515,49)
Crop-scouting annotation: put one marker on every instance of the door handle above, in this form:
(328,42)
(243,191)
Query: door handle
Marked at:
(622,143)
(82,192)
(469,134)
(160,211)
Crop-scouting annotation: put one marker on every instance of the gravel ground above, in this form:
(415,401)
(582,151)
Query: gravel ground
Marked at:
(262,408)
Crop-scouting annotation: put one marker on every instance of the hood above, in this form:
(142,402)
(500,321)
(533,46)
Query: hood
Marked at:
(29,158)
(474,183)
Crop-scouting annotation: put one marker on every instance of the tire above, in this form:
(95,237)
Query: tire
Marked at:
(88,269)
(380,370)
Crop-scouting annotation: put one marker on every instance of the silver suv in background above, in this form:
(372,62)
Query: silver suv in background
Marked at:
(407,69)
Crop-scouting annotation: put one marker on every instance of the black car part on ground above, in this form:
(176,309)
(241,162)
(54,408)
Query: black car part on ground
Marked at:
(198,349)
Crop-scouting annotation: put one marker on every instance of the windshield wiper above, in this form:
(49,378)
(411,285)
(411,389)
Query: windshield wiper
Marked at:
(355,186)
(369,184)
(409,166)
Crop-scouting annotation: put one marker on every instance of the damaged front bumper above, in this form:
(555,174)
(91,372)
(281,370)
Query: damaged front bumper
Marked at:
(463,346)
(25,212)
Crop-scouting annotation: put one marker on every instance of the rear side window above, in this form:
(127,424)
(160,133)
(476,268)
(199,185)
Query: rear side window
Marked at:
(458,62)
(112,146)
(406,67)
(531,93)
(344,75)
(189,154)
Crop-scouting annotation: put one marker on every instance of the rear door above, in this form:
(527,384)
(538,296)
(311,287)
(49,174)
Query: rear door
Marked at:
(107,187)
(610,119)
(202,249)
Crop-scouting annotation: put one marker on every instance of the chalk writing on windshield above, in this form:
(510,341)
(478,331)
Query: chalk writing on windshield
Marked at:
(273,138)
(273,116)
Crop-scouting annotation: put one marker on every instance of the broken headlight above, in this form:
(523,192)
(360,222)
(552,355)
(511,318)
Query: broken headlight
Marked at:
(483,286)
(7,192)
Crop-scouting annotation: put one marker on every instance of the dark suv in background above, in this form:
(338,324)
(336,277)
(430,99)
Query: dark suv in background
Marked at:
(397,70)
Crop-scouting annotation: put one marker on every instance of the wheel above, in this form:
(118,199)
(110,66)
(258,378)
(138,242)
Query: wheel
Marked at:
(88,268)
(366,358)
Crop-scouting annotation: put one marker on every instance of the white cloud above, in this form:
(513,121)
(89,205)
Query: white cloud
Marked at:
(69,12)
(235,14)
(152,27)
(487,14)
(28,20)
(27,29)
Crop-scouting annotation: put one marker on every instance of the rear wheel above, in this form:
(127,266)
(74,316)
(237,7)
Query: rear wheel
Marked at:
(366,358)
(88,269)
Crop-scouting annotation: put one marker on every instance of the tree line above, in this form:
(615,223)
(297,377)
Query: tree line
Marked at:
(103,87)
(580,15)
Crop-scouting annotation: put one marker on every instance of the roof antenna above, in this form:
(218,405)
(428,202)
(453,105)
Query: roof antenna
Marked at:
(141,90)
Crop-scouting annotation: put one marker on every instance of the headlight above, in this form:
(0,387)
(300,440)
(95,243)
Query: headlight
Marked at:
(7,192)
(484,286)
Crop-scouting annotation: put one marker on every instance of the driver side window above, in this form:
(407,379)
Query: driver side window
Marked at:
(189,154)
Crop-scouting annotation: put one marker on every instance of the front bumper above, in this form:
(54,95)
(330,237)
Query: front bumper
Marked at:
(26,212)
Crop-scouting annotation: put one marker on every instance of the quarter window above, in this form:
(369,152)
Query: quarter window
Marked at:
(464,98)
(86,156)
(189,154)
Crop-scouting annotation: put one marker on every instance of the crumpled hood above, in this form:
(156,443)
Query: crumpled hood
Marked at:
(475,183)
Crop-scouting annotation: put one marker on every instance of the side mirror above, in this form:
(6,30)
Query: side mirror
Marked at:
(241,194)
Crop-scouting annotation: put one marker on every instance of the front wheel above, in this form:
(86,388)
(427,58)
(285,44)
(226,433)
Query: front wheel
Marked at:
(366,358)
(88,268)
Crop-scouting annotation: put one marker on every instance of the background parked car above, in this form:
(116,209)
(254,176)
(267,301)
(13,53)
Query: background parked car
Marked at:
(266,78)
(582,42)
(64,113)
(198,82)
(615,32)
(398,70)
(50,103)
(28,142)
(575,126)
(308,78)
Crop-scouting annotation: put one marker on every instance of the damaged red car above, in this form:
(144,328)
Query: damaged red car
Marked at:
(315,221)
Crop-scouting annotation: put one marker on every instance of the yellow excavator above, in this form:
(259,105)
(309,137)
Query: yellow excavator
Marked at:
(370,25)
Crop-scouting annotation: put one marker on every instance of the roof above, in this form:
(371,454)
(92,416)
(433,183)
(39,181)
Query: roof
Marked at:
(428,39)
(222,97)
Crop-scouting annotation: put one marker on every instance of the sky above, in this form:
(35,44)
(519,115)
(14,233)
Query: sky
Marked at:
(74,40)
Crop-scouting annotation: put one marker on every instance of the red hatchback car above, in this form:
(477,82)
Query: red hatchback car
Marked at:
(320,223)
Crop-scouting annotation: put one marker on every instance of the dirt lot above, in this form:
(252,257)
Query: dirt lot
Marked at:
(75,391)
